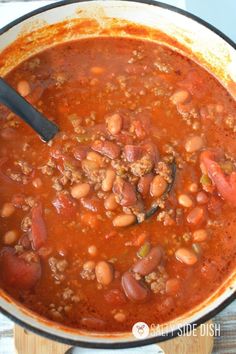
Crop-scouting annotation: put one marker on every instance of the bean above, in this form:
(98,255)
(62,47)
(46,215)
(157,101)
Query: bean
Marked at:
(196,216)
(92,323)
(194,143)
(133,152)
(80,190)
(185,200)
(7,210)
(120,317)
(107,183)
(180,97)
(172,286)
(202,198)
(134,290)
(123,220)
(200,235)
(110,202)
(186,256)
(158,186)
(89,166)
(89,265)
(114,124)
(94,156)
(125,192)
(97,70)
(10,237)
(106,148)
(92,250)
(104,272)
(37,182)
(147,264)
(144,184)
(193,187)
(23,88)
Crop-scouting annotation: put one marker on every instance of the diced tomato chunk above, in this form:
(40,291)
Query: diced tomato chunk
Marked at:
(19,271)
(38,233)
(225,184)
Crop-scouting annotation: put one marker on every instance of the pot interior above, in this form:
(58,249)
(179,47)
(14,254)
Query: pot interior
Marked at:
(69,21)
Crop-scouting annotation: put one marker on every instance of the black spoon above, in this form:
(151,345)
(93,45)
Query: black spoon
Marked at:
(17,104)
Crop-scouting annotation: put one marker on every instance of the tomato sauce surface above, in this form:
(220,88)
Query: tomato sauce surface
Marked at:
(142,129)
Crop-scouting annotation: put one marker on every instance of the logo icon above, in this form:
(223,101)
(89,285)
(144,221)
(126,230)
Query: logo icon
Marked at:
(140,330)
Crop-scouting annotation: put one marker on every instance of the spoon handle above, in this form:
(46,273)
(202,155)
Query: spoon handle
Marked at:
(17,104)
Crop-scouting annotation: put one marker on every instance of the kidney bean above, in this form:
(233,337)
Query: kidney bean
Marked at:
(107,182)
(180,97)
(200,235)
(158,186)
(80,152)
(144,184)
(125,192)
(114,123)
(194,143)
(80,190)
(152,151)
(134,289)
(104,272)
(133,153)
(172,286)
(106,148)
(110,202)
(91,203)
(23,88)
(123,220)
(7,210)
(92,323)
(186,256)
(196,216)
(147,264)
(185,200)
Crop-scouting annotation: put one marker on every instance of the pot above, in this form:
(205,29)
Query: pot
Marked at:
(151,20)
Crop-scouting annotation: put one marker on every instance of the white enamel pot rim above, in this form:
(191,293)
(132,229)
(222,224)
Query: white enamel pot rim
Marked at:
(204,311)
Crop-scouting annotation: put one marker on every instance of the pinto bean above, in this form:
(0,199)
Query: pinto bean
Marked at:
(144,184)
(94,156)
(158,186)
(114,123)
(200,235)
(106,148)
(80,190)
(107,182)
(134,289)
(89,166)
(10,237)
(147,264)
(194,143)
(110,202)
(185,200)
(186,256)
(196,216)
(23,88)
(125,192)
(133,153)
(7,210)
(180,97)
(92,323)
(104,272)
(123,220)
